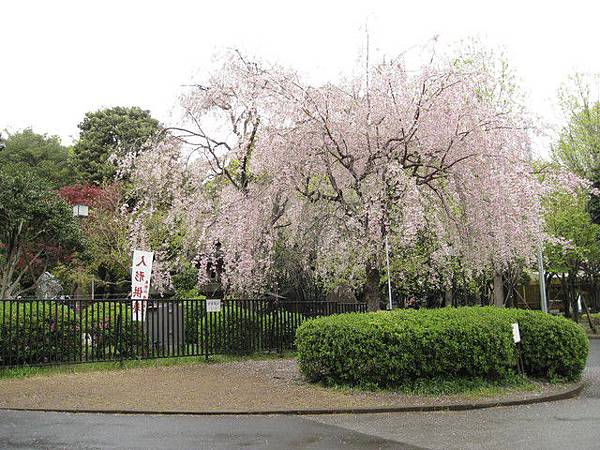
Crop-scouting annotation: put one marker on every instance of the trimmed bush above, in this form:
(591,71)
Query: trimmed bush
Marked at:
(390,349)
(552,346)
(32,332)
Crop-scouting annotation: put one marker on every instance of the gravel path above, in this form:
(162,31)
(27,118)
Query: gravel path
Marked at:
(235,386)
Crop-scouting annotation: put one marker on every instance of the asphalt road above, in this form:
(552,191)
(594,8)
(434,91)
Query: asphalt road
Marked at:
(569,424)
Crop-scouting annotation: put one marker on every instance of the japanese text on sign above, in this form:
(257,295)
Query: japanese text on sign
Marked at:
(141,271)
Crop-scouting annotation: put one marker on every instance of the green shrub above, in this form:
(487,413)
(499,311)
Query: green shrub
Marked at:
(389,349)
(552,346)
(242,328)
(109,337)
(33,332)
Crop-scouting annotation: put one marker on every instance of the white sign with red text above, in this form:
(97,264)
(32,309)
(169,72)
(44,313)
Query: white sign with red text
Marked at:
(141,271)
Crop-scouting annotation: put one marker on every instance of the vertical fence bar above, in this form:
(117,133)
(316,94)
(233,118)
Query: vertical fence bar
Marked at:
(88,333)
(163,327)
(10,333)
(29,337)
(46,322)
(154,328)
(259,322)
(199,329)
(102,326)
(277,327)
(254,322)
(175,320)
(172,314)
(145,329)
(95,336)
(3,332)
(119,334)
(205,330)
(82,334)
(127,318)
(240,340)
(168,327)
(216,340)
(60,331)
(170,349)
(181,323)
(17,333)
(136,330)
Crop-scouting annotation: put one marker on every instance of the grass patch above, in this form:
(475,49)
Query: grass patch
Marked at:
(471,387)
(27,372)
(466,387)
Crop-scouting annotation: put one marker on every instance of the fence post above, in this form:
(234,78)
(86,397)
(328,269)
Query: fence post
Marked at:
(276,320)
(205,330)
(119,341)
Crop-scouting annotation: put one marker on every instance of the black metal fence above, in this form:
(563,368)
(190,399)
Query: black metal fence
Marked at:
(40,332)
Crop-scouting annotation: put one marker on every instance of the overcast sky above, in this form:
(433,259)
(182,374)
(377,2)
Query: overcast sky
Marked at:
(60,59)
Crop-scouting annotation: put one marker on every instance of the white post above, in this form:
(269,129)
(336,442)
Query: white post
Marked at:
(543,300)
(387,260)
(92,289)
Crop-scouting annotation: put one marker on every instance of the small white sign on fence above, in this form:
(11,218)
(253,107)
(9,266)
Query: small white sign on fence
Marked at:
(213,305)
(516,333)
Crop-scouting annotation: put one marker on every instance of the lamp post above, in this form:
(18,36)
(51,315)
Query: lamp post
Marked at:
(80,211)
(543,300)
(387,262)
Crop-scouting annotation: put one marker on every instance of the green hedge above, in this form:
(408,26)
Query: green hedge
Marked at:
(34,333)
(552,346)
(389,349)
(239,329)
(109,337)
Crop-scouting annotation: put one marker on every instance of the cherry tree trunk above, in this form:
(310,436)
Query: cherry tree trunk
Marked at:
(498,289)
(372,287)
(448,297)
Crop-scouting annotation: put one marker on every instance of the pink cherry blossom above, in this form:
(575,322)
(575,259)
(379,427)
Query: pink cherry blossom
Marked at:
(266,160)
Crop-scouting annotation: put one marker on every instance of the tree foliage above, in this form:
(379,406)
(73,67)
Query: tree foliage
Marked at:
(34,223)
(573,236)
(347,163)
(39,154)
(111,132)
(578,147)
(107,255)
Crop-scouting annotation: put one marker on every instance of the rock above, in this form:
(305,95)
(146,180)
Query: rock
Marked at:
(48,286)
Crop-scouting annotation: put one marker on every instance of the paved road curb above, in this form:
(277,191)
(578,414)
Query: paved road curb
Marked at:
(569,393)
(593,336)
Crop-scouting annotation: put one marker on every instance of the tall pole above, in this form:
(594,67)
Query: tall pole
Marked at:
(543,300)
(387,261)
(540,258)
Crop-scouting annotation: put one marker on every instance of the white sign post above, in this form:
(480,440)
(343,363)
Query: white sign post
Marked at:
(141,271)
(516,333)
(517,339)
(213,305)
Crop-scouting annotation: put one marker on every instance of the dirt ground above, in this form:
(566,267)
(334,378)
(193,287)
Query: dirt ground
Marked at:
(234,386)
